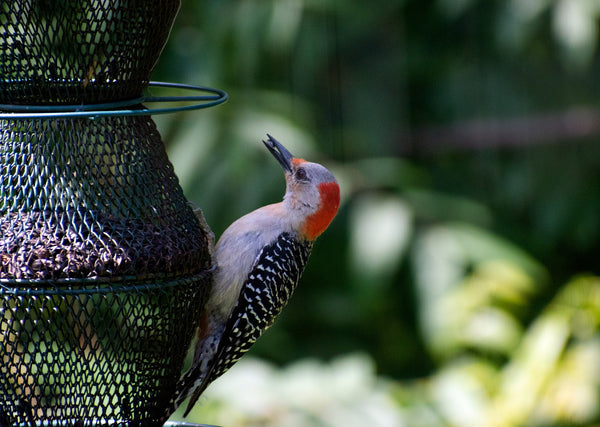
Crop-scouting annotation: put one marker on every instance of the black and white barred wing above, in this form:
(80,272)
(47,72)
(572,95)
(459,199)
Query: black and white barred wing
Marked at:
(267,290)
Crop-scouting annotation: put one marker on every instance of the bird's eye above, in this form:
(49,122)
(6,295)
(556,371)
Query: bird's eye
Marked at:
(301,174)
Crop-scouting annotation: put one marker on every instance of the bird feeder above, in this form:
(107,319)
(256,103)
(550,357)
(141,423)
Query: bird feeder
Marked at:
(103,264)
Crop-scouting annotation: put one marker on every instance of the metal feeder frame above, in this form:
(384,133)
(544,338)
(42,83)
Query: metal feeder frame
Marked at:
(104,266)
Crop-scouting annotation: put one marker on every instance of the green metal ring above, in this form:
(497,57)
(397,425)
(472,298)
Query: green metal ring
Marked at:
(119,108)
(114,423)
(16,287)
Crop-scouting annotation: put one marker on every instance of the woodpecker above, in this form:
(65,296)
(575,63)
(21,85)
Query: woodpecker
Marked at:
(260,258)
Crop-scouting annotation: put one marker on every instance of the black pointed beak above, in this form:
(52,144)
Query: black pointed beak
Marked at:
(283,156)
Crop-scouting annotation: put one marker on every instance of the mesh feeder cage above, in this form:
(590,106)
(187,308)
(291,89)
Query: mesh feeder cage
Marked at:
(103,264)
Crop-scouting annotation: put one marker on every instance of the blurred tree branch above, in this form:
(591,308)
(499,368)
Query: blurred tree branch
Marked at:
(569,125)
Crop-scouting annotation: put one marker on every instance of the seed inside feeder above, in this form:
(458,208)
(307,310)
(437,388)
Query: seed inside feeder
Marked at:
(38,246)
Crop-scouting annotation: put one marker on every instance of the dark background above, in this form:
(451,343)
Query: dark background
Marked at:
(464,134)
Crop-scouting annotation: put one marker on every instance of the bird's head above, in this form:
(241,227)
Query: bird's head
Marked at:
(312,195)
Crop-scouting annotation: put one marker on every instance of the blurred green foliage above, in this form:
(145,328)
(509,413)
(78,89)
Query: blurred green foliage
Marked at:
(462,262)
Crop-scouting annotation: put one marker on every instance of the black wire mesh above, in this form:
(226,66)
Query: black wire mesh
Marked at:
(103,269)
(93,354)
(73,51)
(103,264)
(91,198)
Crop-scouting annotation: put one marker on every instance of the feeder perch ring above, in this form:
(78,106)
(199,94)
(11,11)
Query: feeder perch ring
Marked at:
(167,424)
(91,286)
(212,98)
